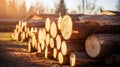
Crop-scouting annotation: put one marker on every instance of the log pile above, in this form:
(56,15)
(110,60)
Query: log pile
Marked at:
(75,42)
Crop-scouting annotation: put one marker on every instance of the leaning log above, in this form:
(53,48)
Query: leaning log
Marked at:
(68,46)
(101,45)
(81,58)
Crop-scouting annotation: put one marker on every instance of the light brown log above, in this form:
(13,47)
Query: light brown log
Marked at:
(23,36)
(99,19)
(113,59)
(39,48)
(43,45)
(59,23)
(81,58)
(59,40)
(48,52)
(53,29)
(86,28)
(47,24)
(30,46)
(63,59)
(41,35)
(52,42)
(69,46)
(101,45)
(55,53)
(47,39)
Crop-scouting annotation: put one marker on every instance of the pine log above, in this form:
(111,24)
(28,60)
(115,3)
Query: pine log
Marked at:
(55,53)
(63,59)
(47,24)
(113,59)
(43,45)
(59,23)
(69,46)
(101,45)
(54,29)
(39,48)
(47,39)
(48,52)
(30,46)
(81,58)
(87,28)
(41,35)
(99,18)
(52,42)
(59,40)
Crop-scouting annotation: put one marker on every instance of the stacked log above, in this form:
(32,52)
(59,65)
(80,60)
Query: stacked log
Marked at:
(74,40)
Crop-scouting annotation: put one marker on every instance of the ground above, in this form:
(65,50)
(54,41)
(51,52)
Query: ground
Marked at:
(15,54)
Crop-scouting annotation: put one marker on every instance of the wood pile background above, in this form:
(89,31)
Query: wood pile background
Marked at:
(84,40)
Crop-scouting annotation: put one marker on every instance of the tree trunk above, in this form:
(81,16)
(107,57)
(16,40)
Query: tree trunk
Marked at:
(68,46)
(81,58)
(101,45)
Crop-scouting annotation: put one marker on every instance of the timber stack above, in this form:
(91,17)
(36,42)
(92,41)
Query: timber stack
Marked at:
(86,39)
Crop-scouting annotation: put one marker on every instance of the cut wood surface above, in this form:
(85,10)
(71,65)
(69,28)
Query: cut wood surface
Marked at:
(47,39)
(47,24)
(48,52)
(59,23)
(59,40)
(63,59)
(101,45)
(68,46)
(52,42)
(39,48)
(53,29)
(55,53)
(81,58)
(43,45)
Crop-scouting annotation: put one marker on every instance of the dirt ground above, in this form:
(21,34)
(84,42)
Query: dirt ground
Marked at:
(15,54)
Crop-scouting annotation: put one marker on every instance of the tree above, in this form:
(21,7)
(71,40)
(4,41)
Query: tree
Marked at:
(87,7)
(118,5)
(61,8)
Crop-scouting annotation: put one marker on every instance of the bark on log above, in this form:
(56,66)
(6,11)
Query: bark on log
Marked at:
(47,24)
(113,59)
(101,45)
(81,58)
(63,59)
(68,46)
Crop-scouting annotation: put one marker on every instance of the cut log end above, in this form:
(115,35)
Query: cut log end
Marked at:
(47,39)
(59,23)
(92,46)
(66,28)
(47,24)
(52,43)
(58,42)
(60,58)
(72,59)
(53,29)
(64,48)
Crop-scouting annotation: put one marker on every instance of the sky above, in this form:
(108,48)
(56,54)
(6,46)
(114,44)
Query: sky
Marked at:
(49,5)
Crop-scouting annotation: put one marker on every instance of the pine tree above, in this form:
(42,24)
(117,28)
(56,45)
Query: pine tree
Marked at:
(61,8)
